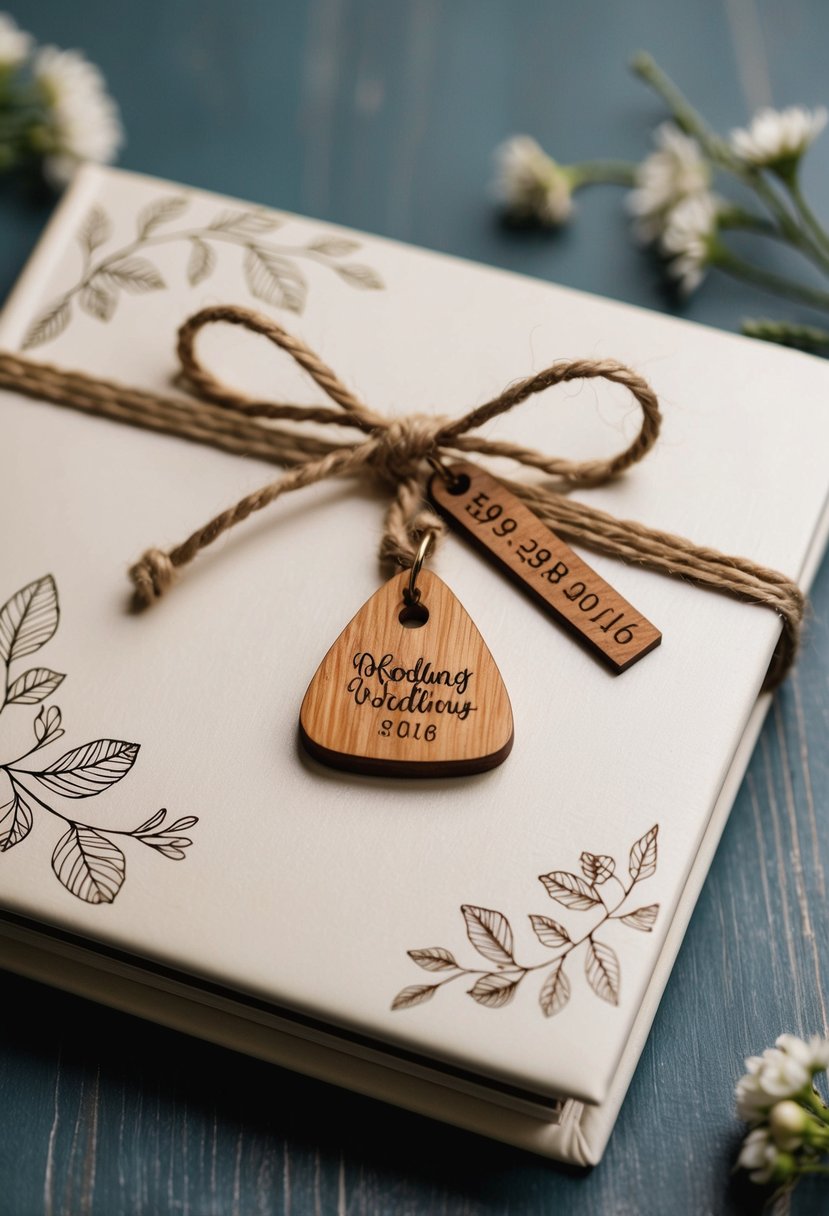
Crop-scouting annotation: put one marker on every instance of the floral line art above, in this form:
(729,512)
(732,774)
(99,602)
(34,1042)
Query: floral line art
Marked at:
(86,859)
(598,888)
(272,271)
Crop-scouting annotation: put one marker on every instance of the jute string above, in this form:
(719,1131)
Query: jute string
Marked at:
(398,451)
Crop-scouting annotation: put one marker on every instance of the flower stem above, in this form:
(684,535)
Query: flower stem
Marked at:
(691,122)
(737,218)
(814,1103)
(726,261)
(799,337)
(809,218)
(602,172)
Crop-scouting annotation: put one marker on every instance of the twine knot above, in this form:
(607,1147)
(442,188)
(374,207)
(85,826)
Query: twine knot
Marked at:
(396,451)
(151,575)
(403,444)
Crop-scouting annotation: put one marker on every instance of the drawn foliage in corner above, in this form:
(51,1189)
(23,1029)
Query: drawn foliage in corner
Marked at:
(599,890)
(273,271)
(86,859)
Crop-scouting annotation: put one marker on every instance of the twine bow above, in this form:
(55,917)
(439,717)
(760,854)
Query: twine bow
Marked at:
(398,452)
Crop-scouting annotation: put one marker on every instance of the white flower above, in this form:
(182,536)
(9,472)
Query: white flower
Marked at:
(781,1072)
(14,43)
(758,1154)
(778,137)
(753,1103)
(83,122)
(531,184)
(781,1075)
(690,230)
(813,1053)
(676,171)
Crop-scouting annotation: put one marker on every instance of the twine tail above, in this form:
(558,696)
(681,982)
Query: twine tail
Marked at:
(155,571)
(408,519)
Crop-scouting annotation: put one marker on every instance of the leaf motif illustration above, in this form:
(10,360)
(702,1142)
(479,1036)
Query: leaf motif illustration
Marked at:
(34,686)
(245,223)
(98,302)
(274,279)
(434,958)
(201,262)
(601,967)
(416,994)
(643,855)
(87,770)
(15,821)
(47,725)
(334,246)
(643,918)
(89,865)
(48,324)
(570,890)
(489,932)
(153,822)
(494,991)
(597,867)
(159,212)
(136,275)
(29,619)
(95,230)
(549,932)
(182,825)
(360,276)
(168,846)
(555,991)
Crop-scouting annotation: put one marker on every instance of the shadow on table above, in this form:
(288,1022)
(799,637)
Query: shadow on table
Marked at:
(115,1114)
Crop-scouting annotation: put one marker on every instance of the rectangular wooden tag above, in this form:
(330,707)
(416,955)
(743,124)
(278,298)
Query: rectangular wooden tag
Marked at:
(499,524)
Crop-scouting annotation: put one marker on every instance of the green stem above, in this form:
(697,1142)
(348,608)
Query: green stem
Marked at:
(814,1103)
(799,337)
(736,218)
(602,172)
(809,218)
(689,119)
(726,261)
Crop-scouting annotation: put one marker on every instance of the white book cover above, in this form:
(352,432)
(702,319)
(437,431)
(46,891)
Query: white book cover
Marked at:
(281,906)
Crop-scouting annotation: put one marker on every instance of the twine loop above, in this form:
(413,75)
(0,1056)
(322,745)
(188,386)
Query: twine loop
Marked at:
(397,452)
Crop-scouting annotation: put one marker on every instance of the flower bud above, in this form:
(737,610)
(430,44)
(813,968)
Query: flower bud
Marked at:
(790,1125)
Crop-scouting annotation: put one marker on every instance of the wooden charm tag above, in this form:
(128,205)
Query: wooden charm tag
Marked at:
(499,524)
(408,691)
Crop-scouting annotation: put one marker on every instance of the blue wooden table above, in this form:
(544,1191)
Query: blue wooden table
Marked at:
(382,115)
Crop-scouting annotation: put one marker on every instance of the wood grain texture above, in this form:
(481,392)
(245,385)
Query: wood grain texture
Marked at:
(408,690)
(509,534)
(383,117)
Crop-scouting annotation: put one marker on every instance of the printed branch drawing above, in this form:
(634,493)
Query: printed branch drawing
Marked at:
(86,859)
(273,272)
(598,889)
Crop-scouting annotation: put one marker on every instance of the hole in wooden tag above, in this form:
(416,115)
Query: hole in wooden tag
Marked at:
(413,616)
(458,485)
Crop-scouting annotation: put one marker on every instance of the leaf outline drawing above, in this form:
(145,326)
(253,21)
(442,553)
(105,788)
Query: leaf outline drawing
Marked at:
(599,886)
(273,273)
(86,860)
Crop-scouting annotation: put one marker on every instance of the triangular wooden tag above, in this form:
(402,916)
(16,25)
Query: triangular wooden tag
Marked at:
(405,696)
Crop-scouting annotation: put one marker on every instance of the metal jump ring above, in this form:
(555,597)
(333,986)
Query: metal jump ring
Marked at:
(411,594)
